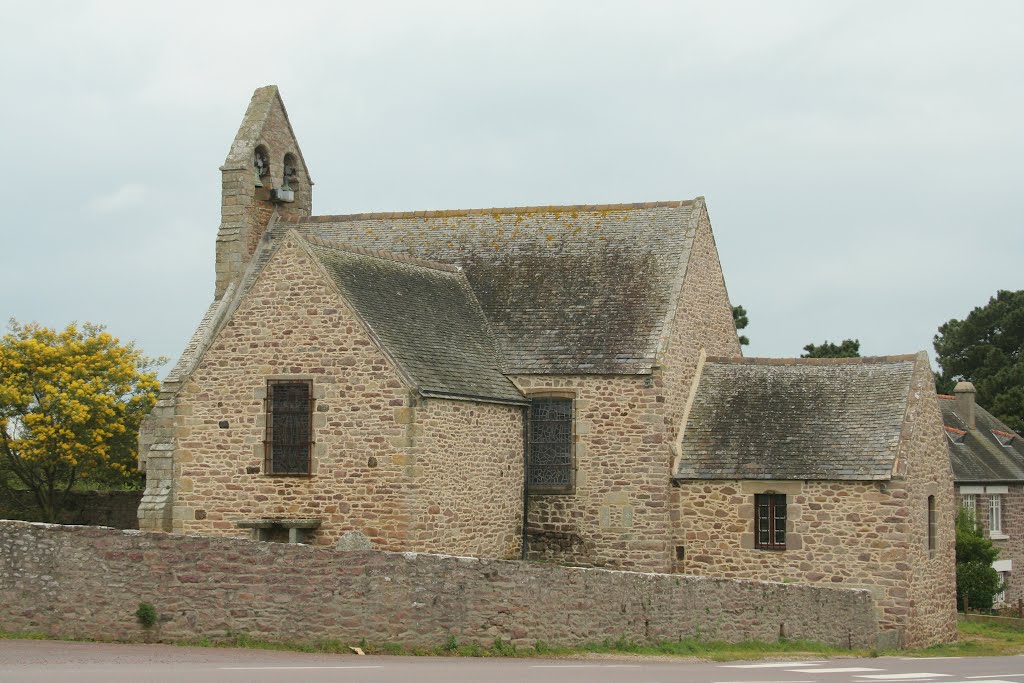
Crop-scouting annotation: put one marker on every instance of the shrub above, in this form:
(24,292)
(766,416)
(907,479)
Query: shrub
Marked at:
(975,578)
(146,614)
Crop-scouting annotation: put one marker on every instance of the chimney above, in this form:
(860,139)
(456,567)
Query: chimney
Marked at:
(964,392)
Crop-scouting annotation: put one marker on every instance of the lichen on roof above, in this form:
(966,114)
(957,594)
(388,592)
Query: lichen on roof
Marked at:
(424,316)
(566,289)
(796,419)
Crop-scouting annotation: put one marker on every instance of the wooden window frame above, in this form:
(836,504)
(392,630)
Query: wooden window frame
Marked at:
(268,441)
(570,487)
(771,503)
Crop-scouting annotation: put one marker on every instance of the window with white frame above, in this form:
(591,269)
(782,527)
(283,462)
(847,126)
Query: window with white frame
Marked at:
(995,513)
(1000,597)
(969,502)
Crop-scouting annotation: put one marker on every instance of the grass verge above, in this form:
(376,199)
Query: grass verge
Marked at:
(976,639)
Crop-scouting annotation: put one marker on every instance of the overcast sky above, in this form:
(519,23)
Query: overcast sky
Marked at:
(862,162)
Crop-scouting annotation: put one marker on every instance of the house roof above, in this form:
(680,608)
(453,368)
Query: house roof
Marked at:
(424,316)
(565,289)
(979,456)
(811,419)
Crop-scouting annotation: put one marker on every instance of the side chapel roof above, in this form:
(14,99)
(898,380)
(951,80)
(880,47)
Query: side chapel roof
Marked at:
(811,419)
(566,289)
(424,316)
(979,454)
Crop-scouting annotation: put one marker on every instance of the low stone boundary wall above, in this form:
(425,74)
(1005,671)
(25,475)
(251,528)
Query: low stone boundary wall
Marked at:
(87,582)
(1016,622)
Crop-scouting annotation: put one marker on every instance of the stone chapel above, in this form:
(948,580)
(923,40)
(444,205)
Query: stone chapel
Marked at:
(559,383)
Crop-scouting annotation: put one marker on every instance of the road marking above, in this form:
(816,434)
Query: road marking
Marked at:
(585,666)
(771,665)
(922,659)
(903,677)
(764,682)
(839,670)
(998,676)
(292,668)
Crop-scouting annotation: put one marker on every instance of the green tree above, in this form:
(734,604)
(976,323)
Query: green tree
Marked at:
(70,404)
(975,577)
(848,348)
(987,349)
(739,317)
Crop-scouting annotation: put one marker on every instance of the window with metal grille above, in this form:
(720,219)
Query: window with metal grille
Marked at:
(770,521)
(551,446)
(289,439)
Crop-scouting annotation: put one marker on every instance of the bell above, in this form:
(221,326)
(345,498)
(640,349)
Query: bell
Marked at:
(256,176)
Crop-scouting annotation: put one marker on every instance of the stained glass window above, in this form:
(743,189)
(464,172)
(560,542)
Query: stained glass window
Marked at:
(551,446)
(289,427)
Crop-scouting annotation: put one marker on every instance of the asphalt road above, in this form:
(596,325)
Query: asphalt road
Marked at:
(54,661)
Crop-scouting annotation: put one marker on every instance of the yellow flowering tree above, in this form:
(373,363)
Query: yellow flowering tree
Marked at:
(70,405)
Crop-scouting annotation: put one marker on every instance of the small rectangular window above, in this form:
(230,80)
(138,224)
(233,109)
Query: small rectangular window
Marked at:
(289,437)
(995,514)
(770,521)
(551,467)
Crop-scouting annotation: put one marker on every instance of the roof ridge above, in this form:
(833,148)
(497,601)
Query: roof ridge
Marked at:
(867,360)
(380,253)
(449,213)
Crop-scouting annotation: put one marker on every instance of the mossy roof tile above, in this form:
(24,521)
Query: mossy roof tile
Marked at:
(566,290)
(790,419)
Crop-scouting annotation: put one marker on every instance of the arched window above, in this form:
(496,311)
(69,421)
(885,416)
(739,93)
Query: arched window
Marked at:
(290,179)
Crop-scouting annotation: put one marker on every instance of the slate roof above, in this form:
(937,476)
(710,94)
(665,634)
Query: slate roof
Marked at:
(814,419)
(980,457)
(566,290)
(424,316)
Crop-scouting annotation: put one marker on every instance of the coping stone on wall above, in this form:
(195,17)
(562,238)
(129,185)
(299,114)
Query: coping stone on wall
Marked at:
(354,540)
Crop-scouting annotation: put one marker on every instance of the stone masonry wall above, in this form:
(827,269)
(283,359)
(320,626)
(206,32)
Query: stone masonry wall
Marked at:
(837,533)
(380,463)
(869,535)
(246,209)
(465,460)
(87,582)
(618,516)
(932,616)
(703,321)
(1012,547)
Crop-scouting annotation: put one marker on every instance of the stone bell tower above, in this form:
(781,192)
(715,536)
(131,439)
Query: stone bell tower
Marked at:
(263,175)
